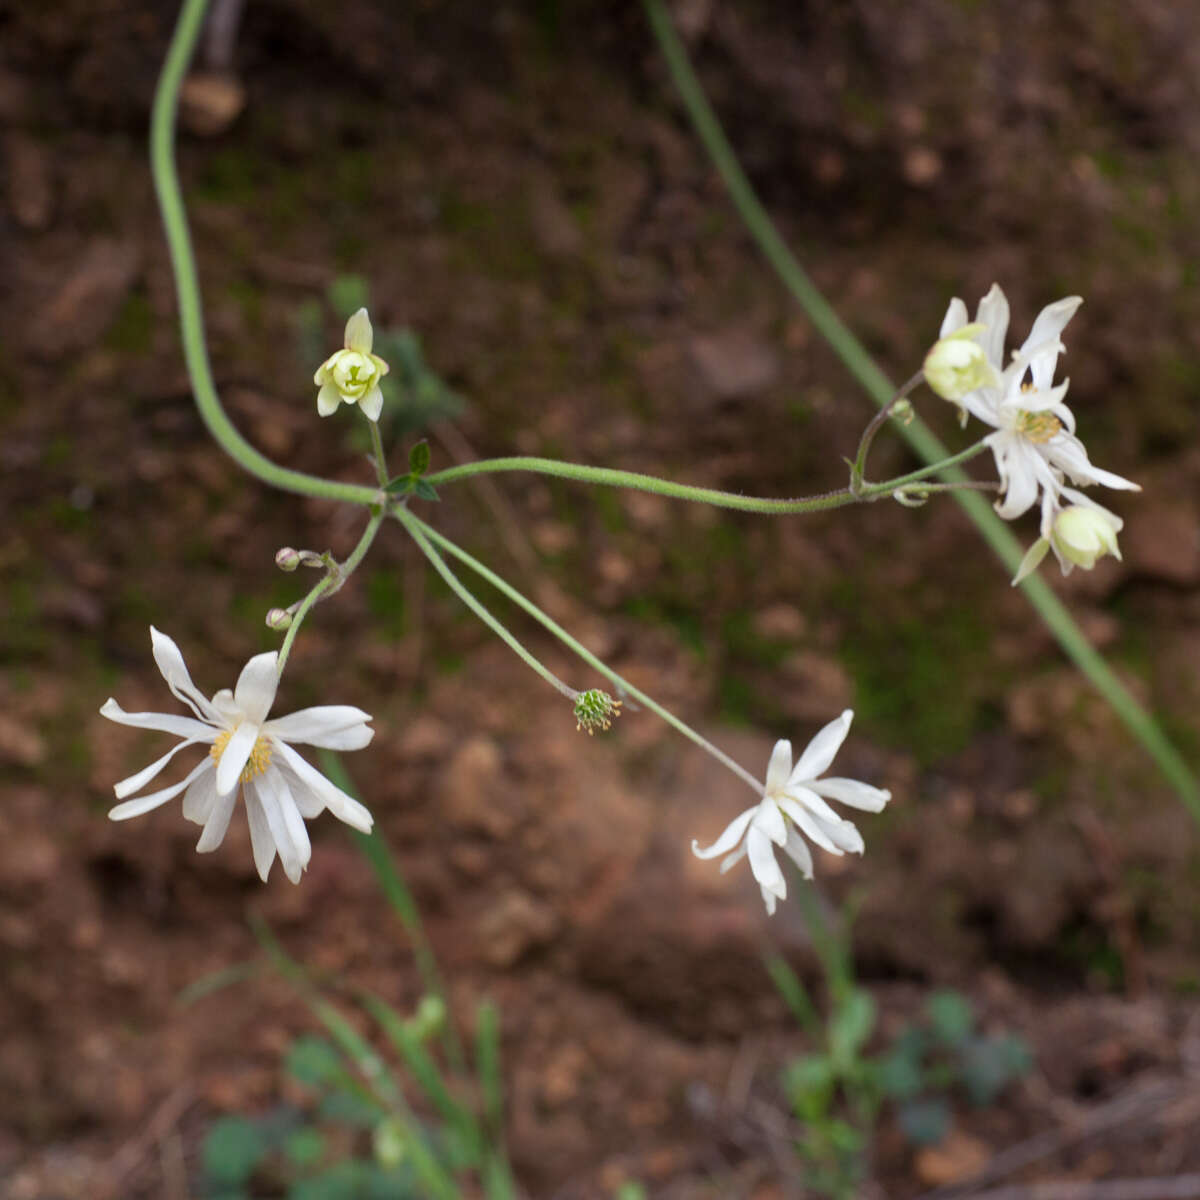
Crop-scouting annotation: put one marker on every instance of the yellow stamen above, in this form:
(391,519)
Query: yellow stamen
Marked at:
(1038,426)
(256,764)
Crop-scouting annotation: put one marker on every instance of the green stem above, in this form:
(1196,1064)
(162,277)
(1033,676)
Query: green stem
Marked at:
(860,364)
(859,467)
(611,477)
(619,681)
(191,317)
(417,529)
(330,584)
(377,454)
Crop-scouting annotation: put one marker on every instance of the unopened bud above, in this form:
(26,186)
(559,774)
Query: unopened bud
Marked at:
(279,619)
(958,364)
(429,1019)
(287,559)
(594,710)
(390,1143)
(1082,534)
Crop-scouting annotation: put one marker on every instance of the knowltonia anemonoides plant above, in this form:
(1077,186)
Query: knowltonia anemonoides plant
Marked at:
(1039,458)
(1036,453)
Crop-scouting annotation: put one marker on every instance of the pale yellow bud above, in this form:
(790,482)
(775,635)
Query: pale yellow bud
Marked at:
(1082,534)
(958,364)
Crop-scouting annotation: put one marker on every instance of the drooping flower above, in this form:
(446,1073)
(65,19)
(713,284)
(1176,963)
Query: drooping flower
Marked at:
(1079,534)
(352,374)
(793,808)
(281,789)
(1034,444)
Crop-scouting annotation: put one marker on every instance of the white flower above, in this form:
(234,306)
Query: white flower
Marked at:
(1079,534)
(352,375)
(280,788)
(1034,443)
(796,793)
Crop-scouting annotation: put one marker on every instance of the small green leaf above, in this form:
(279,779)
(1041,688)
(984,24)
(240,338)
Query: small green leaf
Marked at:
(304,1147)
(899,1074)
(925,1122)
(989,1065)
(851,1026)
(400,486)
(232,1149)
(314,1061)
(418,459)
(809,1082)
(951,1017)
(424,490)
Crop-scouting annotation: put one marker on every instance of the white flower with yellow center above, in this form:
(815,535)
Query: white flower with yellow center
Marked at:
(352,375)
(1034,444)
(792,805)
(249,752)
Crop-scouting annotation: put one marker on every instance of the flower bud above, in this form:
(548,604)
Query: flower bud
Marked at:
(287,559)
(1081,534)
(279,619)
(594,710)
(429,1019)
(352,374)
(958,364)
(390,1143)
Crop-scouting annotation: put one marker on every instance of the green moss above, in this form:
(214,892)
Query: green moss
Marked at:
(385,601)
(133,330)
(923,683)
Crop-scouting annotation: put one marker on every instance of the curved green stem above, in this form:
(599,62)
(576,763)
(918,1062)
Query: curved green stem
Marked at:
(860,364)
(619,681)
(611,477)
(330,584)
(417,530)
(191,317)
(859,467)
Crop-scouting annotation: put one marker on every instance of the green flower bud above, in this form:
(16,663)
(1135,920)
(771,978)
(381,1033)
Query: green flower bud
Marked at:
(287,559)
(594,710)
(390,1143)
(279,619)
(958,364)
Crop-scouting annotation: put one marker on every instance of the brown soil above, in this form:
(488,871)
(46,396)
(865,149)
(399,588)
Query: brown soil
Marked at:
(524,192)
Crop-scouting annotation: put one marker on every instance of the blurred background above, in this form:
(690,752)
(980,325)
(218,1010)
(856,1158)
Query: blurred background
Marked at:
(554,268)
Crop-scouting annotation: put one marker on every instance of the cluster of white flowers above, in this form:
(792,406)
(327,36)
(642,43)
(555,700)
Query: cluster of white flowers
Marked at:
(1035,446)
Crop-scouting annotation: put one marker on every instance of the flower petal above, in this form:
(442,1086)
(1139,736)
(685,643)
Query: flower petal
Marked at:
(762,862)
(235,756)
(359,335)
(733,859)
(372,403)
(174,670)
(135,783)
(820,751)
(955,318)
(796,848)
(770,900)
(1050,323)
(199,799)
(779,766)
(255,690)
(1033,560)
(217,824)
(262,843)
(993,312)
(328,399)
(729,838)
(809,825)
(143,804)
(344,807)
(815,805)
(330,726)
(184,727)
(769,820)
(850,791)
(286,824)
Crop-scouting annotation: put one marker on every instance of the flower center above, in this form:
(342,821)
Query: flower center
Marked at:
(256,764)
(1038,426)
